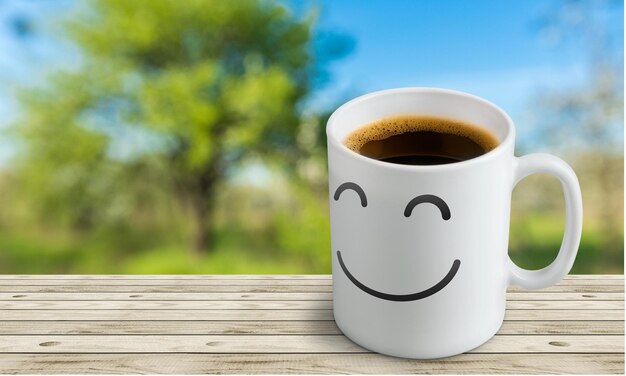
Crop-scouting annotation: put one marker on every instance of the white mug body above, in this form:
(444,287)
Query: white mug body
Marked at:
(419,253)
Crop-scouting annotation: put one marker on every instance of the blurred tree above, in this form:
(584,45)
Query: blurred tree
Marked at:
(200,84)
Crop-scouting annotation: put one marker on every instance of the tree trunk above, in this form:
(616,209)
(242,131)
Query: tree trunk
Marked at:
(201,235)
(197,190)
(202,205)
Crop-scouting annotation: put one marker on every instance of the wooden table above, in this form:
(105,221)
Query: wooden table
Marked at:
(278,324)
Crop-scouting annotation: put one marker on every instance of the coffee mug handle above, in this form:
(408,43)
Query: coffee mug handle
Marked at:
(553,273)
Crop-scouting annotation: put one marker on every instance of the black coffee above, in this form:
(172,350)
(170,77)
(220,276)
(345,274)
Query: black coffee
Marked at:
(421,140)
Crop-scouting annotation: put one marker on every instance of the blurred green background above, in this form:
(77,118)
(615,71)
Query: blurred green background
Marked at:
(169,136)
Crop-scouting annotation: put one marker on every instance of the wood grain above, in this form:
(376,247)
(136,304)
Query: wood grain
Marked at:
(309,364)
(81,288)
(278,324)
(272,327)
(176,296)
(261,314)
(267,304)
(255,289)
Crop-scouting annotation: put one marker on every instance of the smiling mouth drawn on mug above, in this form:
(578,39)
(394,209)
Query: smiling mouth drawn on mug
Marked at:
(402,298)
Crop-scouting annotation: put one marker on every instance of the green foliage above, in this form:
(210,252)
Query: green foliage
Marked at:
(303,229)
(535,241)
(215,78)
(202,85)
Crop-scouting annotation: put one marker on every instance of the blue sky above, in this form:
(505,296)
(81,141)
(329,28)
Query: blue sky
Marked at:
(491,48)
(494,49)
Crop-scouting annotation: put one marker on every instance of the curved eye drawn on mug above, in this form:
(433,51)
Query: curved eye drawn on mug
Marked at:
(355,187)
(445,215)
(435,200)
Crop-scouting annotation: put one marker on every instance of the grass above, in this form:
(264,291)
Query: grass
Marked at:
(232,254)
(534,243)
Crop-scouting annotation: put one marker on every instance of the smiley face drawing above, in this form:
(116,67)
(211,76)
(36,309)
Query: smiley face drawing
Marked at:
(420,199)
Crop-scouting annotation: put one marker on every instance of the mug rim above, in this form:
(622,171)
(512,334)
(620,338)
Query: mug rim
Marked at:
(493,153)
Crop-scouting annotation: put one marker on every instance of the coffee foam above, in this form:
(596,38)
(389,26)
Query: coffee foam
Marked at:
(391,126)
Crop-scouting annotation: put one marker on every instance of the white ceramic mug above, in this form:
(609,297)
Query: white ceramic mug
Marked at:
(420,262)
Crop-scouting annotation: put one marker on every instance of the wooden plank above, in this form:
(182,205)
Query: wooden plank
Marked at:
(167,314)
(191,304)
(244,344)
(553,343)
(559,314)
(562,327)
(273,327)
(236,282)
(188,327)
(105,296)
(309,364)
(273,315)
(178,344)
(565,304)
(79,288)
(267,304)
